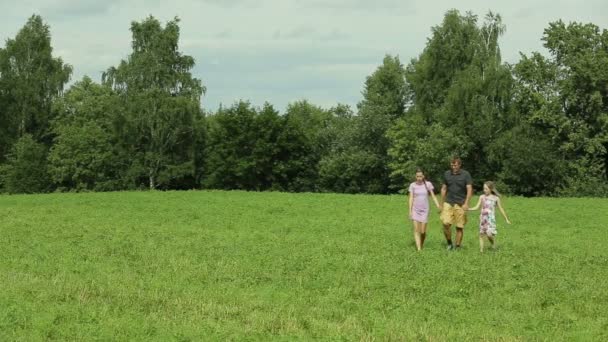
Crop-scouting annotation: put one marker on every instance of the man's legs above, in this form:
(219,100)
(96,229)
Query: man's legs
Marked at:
(447,231)
(460,220)
(447,217)
(459,233)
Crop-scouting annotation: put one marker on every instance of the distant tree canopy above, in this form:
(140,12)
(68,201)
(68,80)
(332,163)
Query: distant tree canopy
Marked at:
(162,103)
(538,127)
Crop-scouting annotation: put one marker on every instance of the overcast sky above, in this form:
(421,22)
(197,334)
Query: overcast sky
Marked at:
(281,51)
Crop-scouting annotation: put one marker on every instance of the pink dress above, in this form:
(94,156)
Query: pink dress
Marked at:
(420,207)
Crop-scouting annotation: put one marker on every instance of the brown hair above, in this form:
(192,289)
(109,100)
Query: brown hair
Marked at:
(492,188)
(418,169)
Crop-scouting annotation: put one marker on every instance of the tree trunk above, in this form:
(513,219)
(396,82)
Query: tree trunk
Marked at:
(606,162)
(152,180)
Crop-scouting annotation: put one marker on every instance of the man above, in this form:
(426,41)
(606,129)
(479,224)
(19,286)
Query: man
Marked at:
(456,192)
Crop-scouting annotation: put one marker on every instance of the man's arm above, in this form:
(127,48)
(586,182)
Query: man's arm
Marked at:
(465,206)
(469,181)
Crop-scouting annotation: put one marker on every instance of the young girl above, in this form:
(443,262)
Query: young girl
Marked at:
(487,218)
(419,206)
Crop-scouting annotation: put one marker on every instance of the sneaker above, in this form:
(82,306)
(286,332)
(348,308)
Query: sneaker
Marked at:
(450,247)
(457,248)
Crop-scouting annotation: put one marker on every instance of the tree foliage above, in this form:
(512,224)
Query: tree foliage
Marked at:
(538,127)
(162,101)
(30,79)
(462,93)
(565,97)
(25,170)
(87,153)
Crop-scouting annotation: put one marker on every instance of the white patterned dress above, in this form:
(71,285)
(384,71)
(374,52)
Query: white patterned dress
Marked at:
(487,217)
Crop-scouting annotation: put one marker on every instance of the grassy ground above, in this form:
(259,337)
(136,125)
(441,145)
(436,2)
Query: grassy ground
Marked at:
(258,266)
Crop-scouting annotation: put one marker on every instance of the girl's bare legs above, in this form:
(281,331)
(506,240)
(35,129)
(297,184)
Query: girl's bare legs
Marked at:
(422,234)
(481,243)
(492,240)
(417,235)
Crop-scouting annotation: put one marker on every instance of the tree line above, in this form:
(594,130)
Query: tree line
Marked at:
(538,127)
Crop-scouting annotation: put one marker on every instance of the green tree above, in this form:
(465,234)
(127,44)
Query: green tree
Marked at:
(87,153)
(302,146)
(385,96)
(230,162)
(338,171)
(257,149)
(529,163)
(267,152)
(200,141)
(25,170)
(162,102)
(419,145)
(450,50)
(565,97)
(30,79)
(460,91)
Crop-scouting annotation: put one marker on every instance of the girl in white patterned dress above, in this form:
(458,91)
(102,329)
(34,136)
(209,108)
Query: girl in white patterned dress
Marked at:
(487,218)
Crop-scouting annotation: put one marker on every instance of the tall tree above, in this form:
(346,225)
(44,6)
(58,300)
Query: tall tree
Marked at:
(87,153)
(302,146)
(30,79)
(461,91)
(385,96)
(565,97)
(449,51)
(232,138)
(162,100)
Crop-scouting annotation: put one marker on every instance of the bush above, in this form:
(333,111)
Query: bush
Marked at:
(26,169)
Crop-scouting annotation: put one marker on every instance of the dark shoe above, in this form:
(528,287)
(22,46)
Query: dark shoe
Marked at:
(450,247)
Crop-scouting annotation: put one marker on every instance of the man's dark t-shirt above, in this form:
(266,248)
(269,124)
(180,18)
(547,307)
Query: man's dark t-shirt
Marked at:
(457,186)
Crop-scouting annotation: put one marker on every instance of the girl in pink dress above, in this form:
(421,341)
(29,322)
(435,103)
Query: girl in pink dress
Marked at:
(419,206)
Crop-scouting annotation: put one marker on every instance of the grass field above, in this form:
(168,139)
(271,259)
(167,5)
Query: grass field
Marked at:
(256,266)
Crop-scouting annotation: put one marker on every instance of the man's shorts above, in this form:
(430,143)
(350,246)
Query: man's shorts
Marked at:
(453,215)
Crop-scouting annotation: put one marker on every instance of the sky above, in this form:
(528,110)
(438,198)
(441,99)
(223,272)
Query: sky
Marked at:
(281,51)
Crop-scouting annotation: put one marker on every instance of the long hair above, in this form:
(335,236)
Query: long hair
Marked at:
(492,188)
(418,169)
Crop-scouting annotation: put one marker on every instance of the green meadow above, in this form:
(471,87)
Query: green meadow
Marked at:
(207,265)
